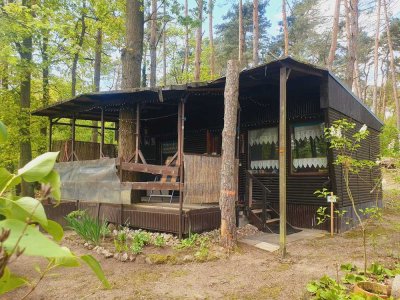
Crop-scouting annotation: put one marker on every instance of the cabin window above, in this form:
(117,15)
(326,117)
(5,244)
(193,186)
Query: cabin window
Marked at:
(309,148)
(263,150)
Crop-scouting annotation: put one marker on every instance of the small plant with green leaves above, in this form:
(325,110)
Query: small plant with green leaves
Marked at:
(139,240)
(88,228)
(159,241)
(189,242)
(22,219)
(120,242)
(327,288)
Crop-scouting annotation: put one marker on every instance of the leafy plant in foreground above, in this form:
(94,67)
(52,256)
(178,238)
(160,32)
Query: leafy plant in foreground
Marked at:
(22,216)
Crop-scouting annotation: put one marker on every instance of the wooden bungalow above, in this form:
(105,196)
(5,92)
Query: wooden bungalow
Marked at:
(179,145)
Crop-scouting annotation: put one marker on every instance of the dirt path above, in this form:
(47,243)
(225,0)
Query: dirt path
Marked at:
(248,274)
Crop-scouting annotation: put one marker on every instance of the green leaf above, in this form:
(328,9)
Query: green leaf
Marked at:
(9,282)
(312,287)
(3,133)
(96,268)
(66,261)
(5,178)
(53,178)
(54,229)
(29,207)
(33,241)
(38,168)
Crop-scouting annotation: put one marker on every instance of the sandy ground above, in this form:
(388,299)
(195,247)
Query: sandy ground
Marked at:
(249,273)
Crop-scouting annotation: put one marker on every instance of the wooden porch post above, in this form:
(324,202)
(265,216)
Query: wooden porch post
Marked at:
(102,133)
(181,132)
(282,160)
(137,132)
(50,133)
(73,138)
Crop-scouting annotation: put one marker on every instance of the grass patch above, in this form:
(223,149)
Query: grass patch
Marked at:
(179,273)
(159,259)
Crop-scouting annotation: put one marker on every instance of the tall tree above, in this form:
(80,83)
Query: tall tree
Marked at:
(211,37)
(352,31)
(228,194)
(335,30)
(256,33)
(285,29)
(153,44)
(97,74)
(376,56)
(392,65)
(165,43)
(241,35)
(199,37)
(80,40)
(186,22)
(131,57)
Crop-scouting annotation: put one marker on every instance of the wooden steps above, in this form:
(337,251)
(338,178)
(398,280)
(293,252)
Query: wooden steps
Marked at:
(259,210)
(270,221)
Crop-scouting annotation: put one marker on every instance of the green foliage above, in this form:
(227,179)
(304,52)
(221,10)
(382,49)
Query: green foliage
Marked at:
(120,242)
(327,288)
(159,241)
(188,242)
(19,233)
(139,240)
(88,228)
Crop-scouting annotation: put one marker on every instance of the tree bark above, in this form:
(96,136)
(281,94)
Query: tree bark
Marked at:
(211,36)
(25,52)
(153,44)
(228,193)
(352,30)
(165,44)
(186,61)
(45,86)
(76,54)
(285,29)
(392,66)
(199,33)
(376,57)
(256,33)
(335,31)
(97,75)
(241,35)
(131,62)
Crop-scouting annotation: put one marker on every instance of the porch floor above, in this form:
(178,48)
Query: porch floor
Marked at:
(159,205)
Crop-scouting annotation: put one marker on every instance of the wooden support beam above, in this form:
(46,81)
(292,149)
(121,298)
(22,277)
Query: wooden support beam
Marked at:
(73,138)
(137,133)
(153,186)
(152,169)
(181,139)
(84,126)
(282,160)
(102,133)
(50,133)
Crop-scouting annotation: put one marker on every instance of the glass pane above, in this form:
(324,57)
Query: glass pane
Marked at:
(263,149)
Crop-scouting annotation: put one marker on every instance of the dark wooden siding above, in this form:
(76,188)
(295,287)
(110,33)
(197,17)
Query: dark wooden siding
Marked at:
(362,184)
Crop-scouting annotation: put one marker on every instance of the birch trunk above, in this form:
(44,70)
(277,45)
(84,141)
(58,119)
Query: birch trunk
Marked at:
(153,44)
(335,31)
(256,33)
(228,194)
(376,53)
(211,36)
(241,35)
(392,66)
(199,32)
(97,74)
(285,29)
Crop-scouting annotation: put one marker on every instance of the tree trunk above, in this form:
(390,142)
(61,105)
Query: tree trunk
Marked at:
(228,193)
(376,57)
(165,44)
(241,35)
(392,66)
(97,74)
(45,87)
(153,44)
(352,30)
(211,36)
(335,31)
(25,52)
(256,33)
(76,54)
(186,61)
(199,32)
(131,61)
(285,28)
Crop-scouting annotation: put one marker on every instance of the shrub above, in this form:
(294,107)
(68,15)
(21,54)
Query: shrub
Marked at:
(88,228)
(120,242)
(139,240)
(159,241)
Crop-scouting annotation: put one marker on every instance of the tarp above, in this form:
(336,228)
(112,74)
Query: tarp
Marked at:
(91,181)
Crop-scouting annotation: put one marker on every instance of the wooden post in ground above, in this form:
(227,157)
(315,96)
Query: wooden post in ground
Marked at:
(50,133)
(228,193)
(137,133)
(332,208)
(102,133)
(181,133)
(73,139)
(282,160)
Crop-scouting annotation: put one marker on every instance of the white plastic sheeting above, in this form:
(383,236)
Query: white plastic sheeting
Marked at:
(91,181)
